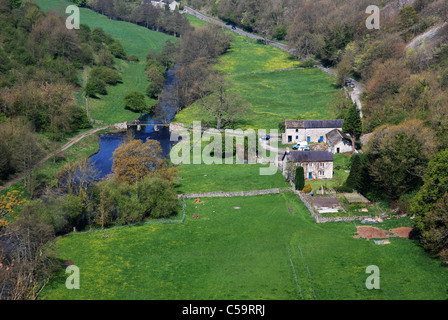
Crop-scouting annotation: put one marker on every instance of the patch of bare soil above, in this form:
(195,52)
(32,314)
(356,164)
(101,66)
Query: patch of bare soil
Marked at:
(370,232)
(376,233)
(402,232)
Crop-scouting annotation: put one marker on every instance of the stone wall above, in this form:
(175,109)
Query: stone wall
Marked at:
(232,194)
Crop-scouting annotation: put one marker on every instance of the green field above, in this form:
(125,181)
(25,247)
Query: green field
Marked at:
(244,254)
(277,96)
(110,107)
(246,55)
(136,40)
(253,69)
(210,178)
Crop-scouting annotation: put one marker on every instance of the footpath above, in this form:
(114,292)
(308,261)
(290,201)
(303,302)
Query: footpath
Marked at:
(61,149)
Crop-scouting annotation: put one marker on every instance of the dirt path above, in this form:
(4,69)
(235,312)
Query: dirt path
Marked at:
(61,149)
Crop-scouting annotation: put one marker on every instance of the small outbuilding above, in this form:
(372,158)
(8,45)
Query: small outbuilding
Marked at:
(338,142)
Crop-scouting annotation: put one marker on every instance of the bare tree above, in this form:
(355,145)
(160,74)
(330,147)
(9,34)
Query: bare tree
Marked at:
(222,104)
(26,260)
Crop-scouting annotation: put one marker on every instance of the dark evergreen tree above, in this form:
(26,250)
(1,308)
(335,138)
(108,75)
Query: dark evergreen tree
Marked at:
(353,124)
(299,178)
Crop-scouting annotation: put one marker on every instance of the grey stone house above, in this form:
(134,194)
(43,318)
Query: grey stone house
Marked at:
(309,130)
(317,165)
(338,142)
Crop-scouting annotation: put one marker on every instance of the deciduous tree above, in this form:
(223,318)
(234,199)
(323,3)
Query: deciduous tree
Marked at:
(135,160)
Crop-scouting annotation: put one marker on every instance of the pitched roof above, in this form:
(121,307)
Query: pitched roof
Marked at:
(313,124)
(335,136)
(310,156)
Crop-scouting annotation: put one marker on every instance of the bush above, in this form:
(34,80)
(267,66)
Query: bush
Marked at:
(106,74)
(309,64)
(95,86)
(307,188)
(135,101)
(116,49)
(280,33)
(133,58)
(99,36)
(79,118)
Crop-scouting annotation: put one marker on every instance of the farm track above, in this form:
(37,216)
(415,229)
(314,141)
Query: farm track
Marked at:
(72,141)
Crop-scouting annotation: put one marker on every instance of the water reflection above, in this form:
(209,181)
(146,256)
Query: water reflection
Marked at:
(164,112)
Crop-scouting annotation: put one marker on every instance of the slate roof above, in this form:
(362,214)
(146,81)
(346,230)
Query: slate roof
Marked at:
(310,156)
(313,124)
(335,136)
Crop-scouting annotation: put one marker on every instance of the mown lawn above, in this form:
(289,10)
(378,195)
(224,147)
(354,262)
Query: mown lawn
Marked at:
(244,253)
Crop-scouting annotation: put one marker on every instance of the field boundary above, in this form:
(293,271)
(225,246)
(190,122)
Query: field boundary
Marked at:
(158,221)
(320,219)
(221,194)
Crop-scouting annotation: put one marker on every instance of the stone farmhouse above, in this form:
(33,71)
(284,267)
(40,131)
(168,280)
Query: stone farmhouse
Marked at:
(309,130)
(162,3)
(317,165)
(338,141)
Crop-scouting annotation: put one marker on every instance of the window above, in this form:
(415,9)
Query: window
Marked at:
(321,172)
(297,137)
(322,165)
(310,164)
(297,130)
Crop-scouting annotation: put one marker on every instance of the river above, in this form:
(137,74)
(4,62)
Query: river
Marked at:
(103,160)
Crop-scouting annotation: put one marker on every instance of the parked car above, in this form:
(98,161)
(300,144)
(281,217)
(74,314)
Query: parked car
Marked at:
(349,83)
(265,137)
(300,147)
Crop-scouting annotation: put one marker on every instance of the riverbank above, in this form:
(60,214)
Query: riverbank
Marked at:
(77,148)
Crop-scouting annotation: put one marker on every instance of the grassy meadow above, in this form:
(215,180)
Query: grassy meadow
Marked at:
(253,71)
(275,97)
(244,253)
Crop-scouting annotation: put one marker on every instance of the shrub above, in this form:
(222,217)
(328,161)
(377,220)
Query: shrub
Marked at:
(106,74)
(307,188)
(308,64)
(133,58)
(99,36)
(280,33)
(117,50)
(95,86)
(135,101)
